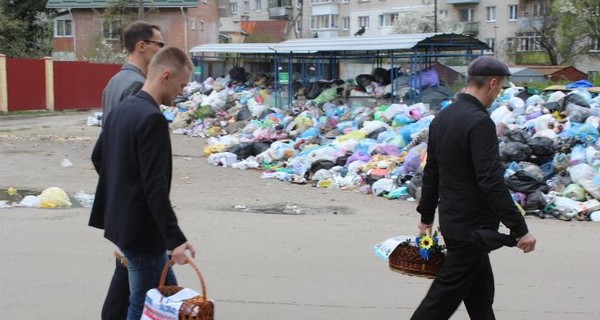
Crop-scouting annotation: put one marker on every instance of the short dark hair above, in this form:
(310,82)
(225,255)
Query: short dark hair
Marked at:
(480,81)
(136,32)
(172,57)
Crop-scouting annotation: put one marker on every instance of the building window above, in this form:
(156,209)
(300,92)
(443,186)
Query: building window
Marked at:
(510,44)
(513,12)
(443,13)
(491,43)
(345,1)
(280,3)
(466,15)
(63,28)
(322,1)
(363,21)
(491,13)
(594,45)
(538,8)
(529,42)
(111,30)
(346,23)
(247,6)
(234,8)
(327,21)
(258,5)
(387,20)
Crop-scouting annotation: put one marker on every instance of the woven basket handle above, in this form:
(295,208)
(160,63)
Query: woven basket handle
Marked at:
(171,262)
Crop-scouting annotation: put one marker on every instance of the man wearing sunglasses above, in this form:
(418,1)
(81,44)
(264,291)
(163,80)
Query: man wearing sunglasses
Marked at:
(142,41)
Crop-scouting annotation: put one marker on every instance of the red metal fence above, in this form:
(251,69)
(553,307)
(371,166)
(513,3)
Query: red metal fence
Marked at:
(26,84)
(77,84)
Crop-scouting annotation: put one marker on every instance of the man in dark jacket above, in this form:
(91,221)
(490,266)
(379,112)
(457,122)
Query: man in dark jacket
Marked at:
(134,162)
(142,41)
(463,178)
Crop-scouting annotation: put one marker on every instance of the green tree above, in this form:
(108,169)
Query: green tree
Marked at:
(25,28)
(579,19)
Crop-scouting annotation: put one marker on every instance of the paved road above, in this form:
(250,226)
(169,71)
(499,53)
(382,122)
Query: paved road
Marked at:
(318,265)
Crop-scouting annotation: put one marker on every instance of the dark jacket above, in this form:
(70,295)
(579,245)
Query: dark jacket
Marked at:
(127,82)
(463,172)
(133,160)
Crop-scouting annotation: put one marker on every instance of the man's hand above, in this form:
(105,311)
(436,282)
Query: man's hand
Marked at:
(178,254)
(526,243)
(425,228)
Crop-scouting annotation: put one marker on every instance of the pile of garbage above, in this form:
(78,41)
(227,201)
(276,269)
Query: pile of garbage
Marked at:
(548,142)
(49,198)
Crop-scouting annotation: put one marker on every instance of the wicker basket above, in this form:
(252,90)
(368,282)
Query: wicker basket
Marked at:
(198,308)
(406,259)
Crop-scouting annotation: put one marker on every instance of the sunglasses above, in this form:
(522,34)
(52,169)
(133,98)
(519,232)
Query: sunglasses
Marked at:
(158,43)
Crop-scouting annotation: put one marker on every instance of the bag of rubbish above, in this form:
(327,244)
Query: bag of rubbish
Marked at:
(54,197)
(574,191)
(577,155)
(525,182)
(542,148)
(535,201)
(415,184)
(383,185)
(577,113)
(502,115)
(560,181)
(326,96)
(581,171)
(560,162)
(573,98)
(514,151)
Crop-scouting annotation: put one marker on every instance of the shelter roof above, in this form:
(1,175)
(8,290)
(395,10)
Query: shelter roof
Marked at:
(399,42)
(89,4)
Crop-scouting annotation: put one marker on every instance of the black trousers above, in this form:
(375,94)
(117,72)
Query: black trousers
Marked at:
(466,276)
(117,299)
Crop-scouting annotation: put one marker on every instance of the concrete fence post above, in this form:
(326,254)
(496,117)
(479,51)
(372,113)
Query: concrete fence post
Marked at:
(3,85)
(49,71)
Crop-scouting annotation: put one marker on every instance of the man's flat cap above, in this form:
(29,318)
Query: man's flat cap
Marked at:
(487,66)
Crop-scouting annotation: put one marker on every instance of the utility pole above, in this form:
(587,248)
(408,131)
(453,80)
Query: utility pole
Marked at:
(141,10)
(435,14)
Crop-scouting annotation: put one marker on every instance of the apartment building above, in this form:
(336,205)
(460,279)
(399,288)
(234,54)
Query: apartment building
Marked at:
(508,27)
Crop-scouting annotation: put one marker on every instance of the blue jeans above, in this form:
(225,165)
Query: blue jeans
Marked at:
(144,274)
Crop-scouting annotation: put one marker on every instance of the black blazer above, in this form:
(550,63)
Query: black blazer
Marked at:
(464,173)
(133,159)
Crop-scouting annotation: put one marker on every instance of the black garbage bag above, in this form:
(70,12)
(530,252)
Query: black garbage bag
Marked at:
(313,90)
(246,149)
(517,135)
(373,135)
(535,201)
(382,76)
(237,74)
(364,80)
(573,98)
(415,184)
(542,147)
(318,165)
(514,151)
(243,114)
(524,182)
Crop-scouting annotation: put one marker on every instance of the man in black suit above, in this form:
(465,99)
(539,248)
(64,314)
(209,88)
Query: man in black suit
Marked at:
(464,175)
(133,159)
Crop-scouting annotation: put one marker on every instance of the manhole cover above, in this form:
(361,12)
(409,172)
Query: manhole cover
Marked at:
(291,209)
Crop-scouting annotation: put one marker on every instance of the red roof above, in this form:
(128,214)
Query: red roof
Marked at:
(265,31)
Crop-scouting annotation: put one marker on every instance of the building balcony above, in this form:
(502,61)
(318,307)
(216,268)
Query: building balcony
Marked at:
(529,24)
(462,1)
(470,28)
(280,12)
